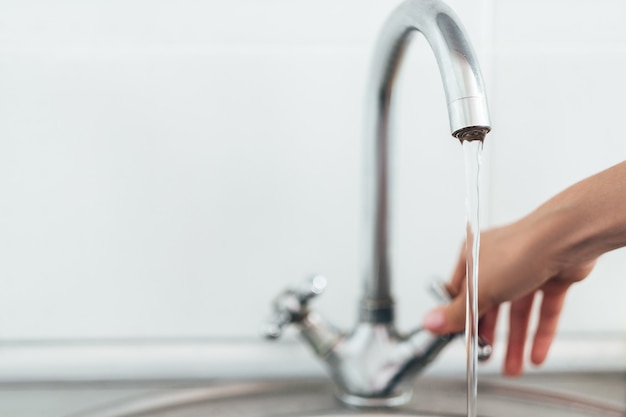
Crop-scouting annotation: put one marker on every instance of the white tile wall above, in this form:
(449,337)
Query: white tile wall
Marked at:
(167,167)
(558,77)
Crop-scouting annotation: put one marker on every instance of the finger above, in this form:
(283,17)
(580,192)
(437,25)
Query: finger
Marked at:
(451,317)
(457,281)
(487,325)
(519,318)
(551,306)
(446,319)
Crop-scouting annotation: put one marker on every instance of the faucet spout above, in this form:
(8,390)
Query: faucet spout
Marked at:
(467,112)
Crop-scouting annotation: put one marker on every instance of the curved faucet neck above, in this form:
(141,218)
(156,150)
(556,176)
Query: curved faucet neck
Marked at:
(467,112)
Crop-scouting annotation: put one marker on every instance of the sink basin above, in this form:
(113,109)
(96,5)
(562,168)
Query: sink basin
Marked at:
(570,395)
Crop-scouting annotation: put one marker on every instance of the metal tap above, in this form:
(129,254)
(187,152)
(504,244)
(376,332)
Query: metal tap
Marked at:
(372,364)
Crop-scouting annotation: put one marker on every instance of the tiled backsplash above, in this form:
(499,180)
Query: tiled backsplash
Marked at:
(167,167)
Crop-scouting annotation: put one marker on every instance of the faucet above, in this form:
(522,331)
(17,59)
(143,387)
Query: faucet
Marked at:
(373,364)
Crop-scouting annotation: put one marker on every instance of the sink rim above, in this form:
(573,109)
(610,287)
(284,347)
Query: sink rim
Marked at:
(173,397)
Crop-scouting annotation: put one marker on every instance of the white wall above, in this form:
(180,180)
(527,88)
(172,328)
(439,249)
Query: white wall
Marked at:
(558,81)
(166,167)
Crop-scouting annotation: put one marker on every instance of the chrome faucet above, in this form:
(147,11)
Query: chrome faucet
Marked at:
(372,365)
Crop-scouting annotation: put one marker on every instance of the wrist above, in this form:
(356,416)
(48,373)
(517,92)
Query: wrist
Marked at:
(564,233)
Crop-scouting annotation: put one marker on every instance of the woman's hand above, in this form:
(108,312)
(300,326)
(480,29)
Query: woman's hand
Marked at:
(511,270)
(539,256)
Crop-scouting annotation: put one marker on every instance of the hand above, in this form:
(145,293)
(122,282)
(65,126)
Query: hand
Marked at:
(518,264)
(540,255)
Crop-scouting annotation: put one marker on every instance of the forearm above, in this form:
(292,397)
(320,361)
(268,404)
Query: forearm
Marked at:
(585,220)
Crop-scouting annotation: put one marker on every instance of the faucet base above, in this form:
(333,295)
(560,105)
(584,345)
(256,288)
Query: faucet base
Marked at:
(395,399)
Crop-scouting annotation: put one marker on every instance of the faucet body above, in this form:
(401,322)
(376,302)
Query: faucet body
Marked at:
(372,364)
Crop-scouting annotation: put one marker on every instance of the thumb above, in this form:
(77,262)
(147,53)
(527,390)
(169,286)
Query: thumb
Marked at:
(446,319)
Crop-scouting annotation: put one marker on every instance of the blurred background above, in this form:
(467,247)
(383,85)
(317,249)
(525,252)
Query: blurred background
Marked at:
(167,167)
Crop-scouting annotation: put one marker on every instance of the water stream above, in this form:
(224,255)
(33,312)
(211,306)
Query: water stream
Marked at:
(472,151)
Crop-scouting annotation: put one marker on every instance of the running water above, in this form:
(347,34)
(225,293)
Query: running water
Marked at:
(472,150)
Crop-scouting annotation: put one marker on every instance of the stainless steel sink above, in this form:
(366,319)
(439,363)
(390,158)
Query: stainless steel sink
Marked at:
(570,395)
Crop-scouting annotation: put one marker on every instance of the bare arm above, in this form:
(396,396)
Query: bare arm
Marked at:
(545,252)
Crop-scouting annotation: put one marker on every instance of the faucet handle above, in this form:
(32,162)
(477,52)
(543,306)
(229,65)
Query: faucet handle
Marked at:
(291,305)
(310,288)
(440,291)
